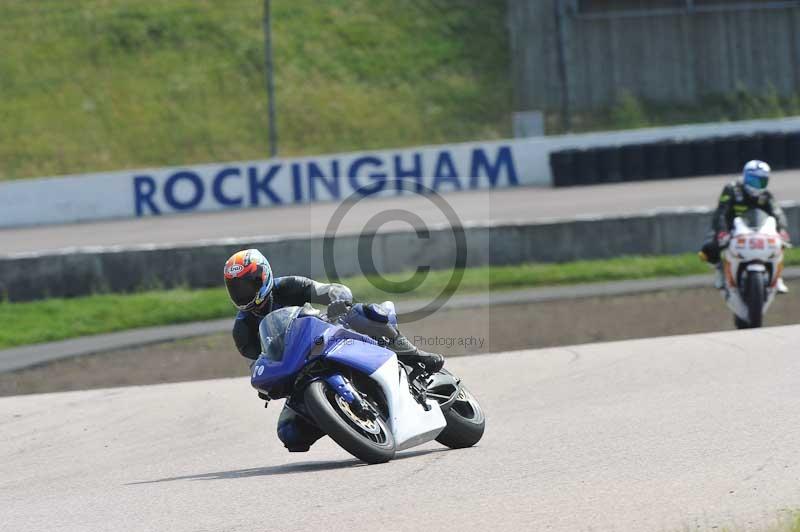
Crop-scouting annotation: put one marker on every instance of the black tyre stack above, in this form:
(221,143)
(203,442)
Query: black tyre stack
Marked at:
(673,159)
(657,160)
(704,157)
(793,150)
(727,154)
(633,162)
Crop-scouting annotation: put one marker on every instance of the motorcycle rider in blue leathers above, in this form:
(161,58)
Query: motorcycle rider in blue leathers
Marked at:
(254,291)
(738,197)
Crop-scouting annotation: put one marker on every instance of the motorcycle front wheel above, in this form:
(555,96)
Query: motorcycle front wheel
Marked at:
(368,440)
(755,299)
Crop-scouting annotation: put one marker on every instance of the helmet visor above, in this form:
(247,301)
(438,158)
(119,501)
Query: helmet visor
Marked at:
(756,181)
(243,290)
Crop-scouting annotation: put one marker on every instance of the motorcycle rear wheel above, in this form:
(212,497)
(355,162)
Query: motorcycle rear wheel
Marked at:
(367,440)
(465,422)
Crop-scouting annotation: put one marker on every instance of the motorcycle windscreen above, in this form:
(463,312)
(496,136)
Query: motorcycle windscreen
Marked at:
(756,219)
(287,338)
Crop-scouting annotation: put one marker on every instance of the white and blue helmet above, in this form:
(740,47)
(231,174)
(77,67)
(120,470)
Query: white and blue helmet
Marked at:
(755,177)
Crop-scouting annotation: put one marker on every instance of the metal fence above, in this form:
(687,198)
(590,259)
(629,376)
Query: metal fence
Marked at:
(583,54)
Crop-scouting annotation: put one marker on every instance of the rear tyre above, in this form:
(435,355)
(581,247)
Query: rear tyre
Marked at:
(367,440)
(465,422)
(755,299)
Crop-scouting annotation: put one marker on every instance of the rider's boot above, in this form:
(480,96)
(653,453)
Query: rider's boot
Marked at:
(781,287)
(719,279)
(410,354)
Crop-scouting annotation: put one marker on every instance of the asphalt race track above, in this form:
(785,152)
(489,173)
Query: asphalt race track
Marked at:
(501,205)
(676,433)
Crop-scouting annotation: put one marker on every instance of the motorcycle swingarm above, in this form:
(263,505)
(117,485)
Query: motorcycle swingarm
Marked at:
(441,380)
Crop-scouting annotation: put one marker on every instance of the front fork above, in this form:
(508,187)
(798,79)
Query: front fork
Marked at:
(346,391)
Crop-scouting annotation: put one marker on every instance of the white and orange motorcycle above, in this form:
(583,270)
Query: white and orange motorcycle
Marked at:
(752,264)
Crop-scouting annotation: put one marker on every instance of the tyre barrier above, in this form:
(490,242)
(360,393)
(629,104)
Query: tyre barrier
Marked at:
(657,160)
(775,151)
(633,162)
(673,159)
(793,150)
(610,165)
(704,157)
(563,163)
(680,159)
(586,167)
(727,154)
(750,147)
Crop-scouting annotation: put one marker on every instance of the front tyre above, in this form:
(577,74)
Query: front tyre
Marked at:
(465,422)
(755,299)
(367,440)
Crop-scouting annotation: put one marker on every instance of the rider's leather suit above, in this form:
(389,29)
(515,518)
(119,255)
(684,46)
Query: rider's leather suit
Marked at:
(291,291)
(735,201)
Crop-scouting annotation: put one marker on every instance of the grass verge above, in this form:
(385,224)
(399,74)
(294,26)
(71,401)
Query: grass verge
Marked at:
(630,112)
(110,84)
(59,319)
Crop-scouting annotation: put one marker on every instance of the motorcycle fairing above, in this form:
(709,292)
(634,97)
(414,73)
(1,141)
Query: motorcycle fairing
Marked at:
(411,424)
(742,259)
(300,339)
(348,348)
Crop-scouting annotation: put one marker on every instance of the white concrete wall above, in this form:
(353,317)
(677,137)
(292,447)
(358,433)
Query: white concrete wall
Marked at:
(266,183)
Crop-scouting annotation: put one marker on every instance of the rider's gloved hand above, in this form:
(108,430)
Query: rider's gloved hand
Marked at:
(338,308)
(785,236)
(723,239)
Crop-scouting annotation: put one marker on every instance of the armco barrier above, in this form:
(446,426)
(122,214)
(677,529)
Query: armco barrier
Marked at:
(80,272)
(676,158)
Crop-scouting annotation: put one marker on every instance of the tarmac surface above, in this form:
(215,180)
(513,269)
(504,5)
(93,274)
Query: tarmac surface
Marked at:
(500,205)
(677,433)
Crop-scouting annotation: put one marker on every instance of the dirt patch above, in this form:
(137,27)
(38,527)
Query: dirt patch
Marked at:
(457,332)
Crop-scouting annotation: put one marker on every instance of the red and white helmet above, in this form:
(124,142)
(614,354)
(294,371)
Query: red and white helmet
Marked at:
(248,278)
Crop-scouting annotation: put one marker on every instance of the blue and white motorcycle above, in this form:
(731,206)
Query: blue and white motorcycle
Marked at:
(356,391)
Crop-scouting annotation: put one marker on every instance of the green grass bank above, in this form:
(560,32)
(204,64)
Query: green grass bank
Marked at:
(59,319)
(93,85)
(100,85)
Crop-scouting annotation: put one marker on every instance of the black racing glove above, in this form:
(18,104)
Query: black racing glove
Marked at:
(337,309)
